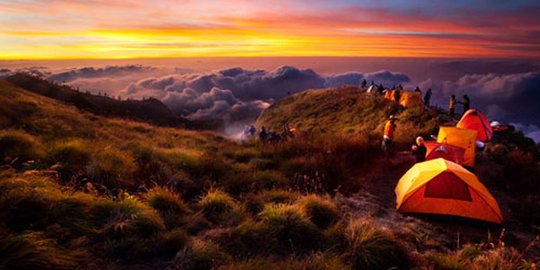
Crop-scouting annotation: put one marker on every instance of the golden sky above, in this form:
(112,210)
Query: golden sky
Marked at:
(66,29)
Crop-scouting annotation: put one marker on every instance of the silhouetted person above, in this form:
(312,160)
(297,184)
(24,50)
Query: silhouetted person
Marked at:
(427,97)
(417,89)
(397,95)
(466,103)
(380,89)
(263,135)
(364,83)
(252,130)
(452,106)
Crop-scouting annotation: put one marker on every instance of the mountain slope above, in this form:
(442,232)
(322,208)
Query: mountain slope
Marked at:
(149,110)
(84,191)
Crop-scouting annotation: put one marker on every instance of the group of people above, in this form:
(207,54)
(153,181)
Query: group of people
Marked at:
(272,136)
(452,106)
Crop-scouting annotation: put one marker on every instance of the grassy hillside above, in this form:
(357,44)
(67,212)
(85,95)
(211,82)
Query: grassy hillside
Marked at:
(148,110)
(347,111)
(82,191)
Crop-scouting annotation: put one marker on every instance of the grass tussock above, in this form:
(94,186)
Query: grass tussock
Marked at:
(17,147)
(321,212)
(291,227)
(73,157)
(370,248)
(478,257)
(219,207)
(200,255)
(111,167)
(33,250)
(169,204)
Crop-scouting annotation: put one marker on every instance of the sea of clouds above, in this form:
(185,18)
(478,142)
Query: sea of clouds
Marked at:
(239,95)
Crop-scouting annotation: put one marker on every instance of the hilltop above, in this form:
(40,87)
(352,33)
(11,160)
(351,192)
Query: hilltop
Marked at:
(346,111)
(88,191)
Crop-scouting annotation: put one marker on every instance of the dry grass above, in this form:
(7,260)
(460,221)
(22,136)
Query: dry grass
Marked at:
(132,195)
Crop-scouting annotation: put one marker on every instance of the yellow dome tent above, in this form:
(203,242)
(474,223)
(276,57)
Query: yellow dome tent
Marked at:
(410,99)
(461,137)
(442,187)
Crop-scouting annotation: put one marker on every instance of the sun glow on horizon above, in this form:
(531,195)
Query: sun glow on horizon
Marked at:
(65,29)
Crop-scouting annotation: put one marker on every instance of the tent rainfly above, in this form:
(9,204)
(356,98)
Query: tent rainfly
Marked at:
(440,150)
(460,137)
(442,187)
(473,119)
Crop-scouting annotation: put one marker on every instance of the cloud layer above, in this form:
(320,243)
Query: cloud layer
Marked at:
(239,95)
(213,94)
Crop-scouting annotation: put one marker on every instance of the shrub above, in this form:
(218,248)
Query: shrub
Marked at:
(370,248)
(292,229)
(169,204)
(73,156)
(19,145)
(218,207)
(200,255)
(322,213)
(32,250)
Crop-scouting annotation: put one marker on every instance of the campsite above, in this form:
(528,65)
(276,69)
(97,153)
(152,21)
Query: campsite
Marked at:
(260,135)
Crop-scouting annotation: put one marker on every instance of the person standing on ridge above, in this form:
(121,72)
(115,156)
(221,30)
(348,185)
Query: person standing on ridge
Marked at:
(466,103)
(427,97)
(397,95)
(380,89)
(252,130)
(263,135)
(452,106)
(417,90)
(388,135)
(364,83)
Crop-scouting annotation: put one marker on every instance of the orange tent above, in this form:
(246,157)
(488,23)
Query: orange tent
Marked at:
(460,137)
(388,94)
(473,119)
(410,99)
(440,150)
(442,187)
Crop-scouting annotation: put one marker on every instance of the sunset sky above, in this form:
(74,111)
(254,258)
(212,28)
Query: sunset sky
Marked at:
(63,29)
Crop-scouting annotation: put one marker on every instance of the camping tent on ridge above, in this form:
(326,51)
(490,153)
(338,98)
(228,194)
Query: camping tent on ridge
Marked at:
(473,119)
(410,99)
(440,150)
(442,187)
(461,137)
